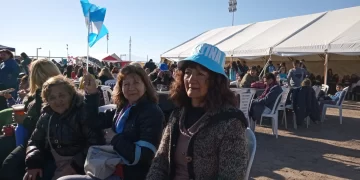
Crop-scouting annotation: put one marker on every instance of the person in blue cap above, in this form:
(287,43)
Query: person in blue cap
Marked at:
(163,79)
(205,137)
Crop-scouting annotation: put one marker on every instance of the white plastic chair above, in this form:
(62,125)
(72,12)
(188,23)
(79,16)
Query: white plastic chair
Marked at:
(98,82)
(251,145)
(282,104)
(111,83)
(107,107)
(106,90)
(274,116)
(245,102)
(338,105)
(325,88)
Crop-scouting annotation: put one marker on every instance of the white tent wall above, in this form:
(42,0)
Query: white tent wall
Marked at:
(301,37)
(340,64)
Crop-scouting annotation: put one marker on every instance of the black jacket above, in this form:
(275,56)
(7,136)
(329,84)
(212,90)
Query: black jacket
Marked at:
(305,104)
(33,110)
(69,136)
(144,123)
(151,65)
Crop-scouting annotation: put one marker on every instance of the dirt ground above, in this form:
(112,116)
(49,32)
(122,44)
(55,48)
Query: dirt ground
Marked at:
(321,152)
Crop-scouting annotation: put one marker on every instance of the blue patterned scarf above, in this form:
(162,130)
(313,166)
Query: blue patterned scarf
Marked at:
(123,116)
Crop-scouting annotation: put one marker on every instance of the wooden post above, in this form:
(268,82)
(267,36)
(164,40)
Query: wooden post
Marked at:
(326,67)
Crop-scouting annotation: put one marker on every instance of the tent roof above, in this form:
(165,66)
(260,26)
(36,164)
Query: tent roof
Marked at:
(8,48)
(336,31)
(111,58)
(318,36)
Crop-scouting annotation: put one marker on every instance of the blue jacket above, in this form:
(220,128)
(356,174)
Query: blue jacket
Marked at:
(9,72)
(336,96)
(270,98)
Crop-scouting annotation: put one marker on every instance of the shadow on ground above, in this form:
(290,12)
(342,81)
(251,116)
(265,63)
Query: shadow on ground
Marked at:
(322,151)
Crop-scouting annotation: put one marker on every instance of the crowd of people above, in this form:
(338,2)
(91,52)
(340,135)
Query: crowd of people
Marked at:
(204,137)
(201,137)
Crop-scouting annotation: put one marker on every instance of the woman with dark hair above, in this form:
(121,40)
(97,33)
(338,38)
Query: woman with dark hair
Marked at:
(265,102)
(80,72)
(25,62)
(205,137)
(105,75)
(137,119)
(234,70)
(69,70)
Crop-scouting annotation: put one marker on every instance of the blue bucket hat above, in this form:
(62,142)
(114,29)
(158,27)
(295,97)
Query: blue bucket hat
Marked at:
(208,56)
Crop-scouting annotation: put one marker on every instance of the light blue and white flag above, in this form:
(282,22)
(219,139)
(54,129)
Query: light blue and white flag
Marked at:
(94,18)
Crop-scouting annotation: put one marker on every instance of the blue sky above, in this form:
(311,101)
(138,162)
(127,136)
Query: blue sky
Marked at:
(154,25)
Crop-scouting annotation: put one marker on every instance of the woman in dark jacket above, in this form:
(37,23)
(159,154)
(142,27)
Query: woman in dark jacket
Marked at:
(105,75)
(205,137)
(137,118)
(62,131)
(40,71)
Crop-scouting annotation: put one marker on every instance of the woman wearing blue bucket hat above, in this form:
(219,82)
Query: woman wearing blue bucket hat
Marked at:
(205,137)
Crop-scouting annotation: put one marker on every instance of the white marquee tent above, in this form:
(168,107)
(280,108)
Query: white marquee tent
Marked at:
(333,32)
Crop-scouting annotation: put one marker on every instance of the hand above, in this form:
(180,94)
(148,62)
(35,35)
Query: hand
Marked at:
(22,93)
(31,174)
(18,118)
(90,85)
(7,96)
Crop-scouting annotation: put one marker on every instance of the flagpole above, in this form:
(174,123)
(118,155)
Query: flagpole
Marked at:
(107,44)
(88,47)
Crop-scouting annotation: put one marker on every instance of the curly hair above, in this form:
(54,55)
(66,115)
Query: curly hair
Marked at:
(57,80)
(218,94)
(118,96)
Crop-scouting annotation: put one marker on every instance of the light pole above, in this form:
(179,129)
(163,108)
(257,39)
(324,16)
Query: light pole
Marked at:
(122,55)
(37,53)
(232,9)
(67,50)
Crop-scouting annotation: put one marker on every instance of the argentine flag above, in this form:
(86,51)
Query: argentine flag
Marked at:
(94,18)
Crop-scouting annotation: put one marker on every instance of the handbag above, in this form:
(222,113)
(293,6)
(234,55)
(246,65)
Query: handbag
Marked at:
(101,161)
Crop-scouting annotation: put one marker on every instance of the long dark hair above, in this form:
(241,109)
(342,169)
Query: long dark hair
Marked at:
(234,66)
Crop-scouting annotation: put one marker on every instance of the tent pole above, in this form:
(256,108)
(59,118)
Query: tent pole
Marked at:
(326,67)
(267,62)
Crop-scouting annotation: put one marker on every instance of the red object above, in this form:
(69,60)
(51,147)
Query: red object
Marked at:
(73,75)
(112,58)
(119,171)
(8,130)
(258,85)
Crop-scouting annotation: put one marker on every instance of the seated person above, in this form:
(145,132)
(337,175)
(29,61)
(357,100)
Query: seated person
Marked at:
(332,99)
(23,90)
(61,131)
(236,83)
(250,77)
(305,107)
(265,102)
(282,74)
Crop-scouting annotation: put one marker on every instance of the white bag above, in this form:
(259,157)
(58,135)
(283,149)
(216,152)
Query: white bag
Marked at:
(101,161)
